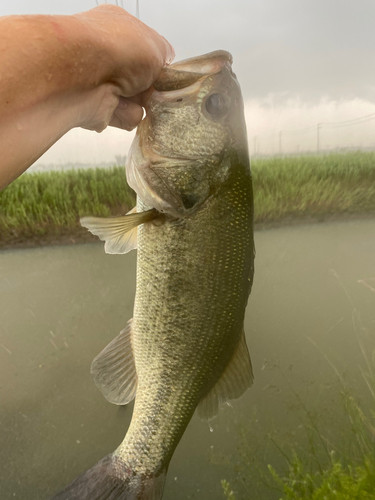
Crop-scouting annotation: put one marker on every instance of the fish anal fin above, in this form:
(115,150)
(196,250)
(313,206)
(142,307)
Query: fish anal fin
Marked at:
(234,381)
(119,233)
(114,369)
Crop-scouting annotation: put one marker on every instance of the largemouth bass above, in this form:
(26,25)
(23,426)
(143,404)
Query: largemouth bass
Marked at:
(193,227)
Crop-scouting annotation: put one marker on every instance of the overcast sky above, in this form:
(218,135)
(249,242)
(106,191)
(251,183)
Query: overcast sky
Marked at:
(298,61)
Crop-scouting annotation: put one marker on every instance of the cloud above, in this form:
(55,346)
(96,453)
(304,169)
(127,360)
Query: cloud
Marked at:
(297,120)
(276,68)
(297,61)
(310,48)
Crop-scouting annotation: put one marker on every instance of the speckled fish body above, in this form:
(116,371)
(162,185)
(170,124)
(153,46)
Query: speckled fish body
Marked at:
(193,280)
(189,162)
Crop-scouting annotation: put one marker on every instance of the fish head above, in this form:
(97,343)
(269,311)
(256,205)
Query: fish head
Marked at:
(194,127)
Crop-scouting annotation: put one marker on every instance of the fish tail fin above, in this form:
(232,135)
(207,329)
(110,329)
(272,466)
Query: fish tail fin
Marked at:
(111,479)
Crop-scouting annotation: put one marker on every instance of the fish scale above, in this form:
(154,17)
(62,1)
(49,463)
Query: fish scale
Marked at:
(195,334)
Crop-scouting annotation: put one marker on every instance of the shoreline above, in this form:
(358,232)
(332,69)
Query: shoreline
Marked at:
(83,236)
(44,209)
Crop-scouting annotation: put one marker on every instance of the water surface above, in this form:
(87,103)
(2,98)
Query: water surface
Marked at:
(313,299)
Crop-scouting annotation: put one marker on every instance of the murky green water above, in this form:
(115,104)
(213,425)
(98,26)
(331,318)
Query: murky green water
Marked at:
(313,297)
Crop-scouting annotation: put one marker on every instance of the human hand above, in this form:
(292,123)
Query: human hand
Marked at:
(130,56)
(87,70)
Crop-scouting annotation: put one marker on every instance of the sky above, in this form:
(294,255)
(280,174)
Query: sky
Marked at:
(299,62)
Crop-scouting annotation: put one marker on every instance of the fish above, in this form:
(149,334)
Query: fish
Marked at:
(184,350)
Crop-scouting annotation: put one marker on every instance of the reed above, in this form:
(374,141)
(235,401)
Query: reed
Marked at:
(314,186)
(49,205)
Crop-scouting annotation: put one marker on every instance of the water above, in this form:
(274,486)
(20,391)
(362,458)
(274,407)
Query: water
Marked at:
(313,296)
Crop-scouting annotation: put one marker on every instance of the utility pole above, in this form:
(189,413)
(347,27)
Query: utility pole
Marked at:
(137,9)
(318,137)
(280,148)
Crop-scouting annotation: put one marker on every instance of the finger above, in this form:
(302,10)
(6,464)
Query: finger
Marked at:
(127,115)
(166,49)
(142,98)
(135,98)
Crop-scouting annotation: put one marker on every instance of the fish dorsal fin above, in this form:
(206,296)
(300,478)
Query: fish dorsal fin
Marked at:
(119,233)
(114,370)
(236,378)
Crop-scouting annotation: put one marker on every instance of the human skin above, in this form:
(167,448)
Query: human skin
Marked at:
(87,70)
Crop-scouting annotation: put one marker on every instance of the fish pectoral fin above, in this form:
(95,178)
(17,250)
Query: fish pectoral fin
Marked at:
(236,378)
(114,370)
(119,233)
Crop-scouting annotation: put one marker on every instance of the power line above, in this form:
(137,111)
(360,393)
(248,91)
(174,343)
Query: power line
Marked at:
(317,127)
(349,122)
(296,131)
(360,119)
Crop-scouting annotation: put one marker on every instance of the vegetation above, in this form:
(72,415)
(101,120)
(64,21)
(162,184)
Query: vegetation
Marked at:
(338,465)
(48,205)
(335,483)
(314,186)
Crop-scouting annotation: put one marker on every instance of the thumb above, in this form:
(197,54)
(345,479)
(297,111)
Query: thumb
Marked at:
(127,115)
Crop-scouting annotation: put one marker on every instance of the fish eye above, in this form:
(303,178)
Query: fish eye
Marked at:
(217,105)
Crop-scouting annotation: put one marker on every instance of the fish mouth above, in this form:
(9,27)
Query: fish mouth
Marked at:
(185,73)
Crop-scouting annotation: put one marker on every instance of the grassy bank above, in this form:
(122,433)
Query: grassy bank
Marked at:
(315,186)
(45,207)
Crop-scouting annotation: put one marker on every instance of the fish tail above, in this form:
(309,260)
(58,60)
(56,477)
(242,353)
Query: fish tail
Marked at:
(111,479)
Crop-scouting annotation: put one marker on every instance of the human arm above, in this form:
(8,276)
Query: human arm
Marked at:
(59,72)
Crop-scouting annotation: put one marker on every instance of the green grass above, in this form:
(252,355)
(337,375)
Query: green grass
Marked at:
(336,482)
(314,186)
(336,460)
(50,204)
(310,476)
